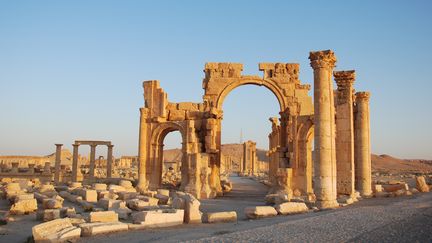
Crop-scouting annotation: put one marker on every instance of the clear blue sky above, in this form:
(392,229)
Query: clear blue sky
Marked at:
(73,69)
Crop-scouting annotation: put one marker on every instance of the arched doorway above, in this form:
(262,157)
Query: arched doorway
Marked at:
(156,153)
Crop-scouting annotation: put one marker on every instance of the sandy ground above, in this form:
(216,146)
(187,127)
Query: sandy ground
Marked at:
(403,219)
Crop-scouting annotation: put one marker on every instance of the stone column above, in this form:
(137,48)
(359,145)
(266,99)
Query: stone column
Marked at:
(362,159)
(47,168)
(245,158)
(142,151)
(31,169)
(92,161)
(57,163)
(15,166)
(75,167)
(323,63)
(109,161)
(345,132)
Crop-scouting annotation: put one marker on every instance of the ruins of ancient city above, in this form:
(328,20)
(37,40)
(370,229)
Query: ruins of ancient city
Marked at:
(318,159)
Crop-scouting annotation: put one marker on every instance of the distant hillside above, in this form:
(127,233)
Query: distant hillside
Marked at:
(233,150)
(380,163)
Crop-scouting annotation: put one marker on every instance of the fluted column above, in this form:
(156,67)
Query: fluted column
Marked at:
(57,163)
(75,166)
(362,152)
(323,63)
(92,160)
(345,132)
(109,161)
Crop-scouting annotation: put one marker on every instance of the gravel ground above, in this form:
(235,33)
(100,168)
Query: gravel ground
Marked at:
(401,219)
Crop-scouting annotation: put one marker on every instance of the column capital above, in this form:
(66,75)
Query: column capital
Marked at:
(58,144)
(362,96)
(322,59)
(93,145)
(75,145)
(110,146)
(344,78)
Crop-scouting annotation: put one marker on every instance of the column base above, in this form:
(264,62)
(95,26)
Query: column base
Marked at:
(327,204)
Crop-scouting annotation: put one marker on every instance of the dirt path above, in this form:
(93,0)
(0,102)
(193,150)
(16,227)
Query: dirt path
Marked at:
(246,192)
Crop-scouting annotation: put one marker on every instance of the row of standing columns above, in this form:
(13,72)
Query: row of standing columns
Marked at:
(342,137)
(75,164)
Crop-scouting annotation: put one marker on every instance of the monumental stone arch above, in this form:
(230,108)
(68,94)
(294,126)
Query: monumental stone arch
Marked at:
(330,120)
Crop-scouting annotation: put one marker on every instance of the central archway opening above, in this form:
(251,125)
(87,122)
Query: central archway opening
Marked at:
(245,141)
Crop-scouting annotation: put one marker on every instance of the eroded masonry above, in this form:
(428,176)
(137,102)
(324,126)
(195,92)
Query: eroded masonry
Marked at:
(336,120)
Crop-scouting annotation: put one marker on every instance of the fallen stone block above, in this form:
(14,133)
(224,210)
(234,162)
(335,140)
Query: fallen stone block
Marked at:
(105,216)
(90,229)
(109,204)
(123,213)
(377,188)
(24,196)
(48,214)
(100,186)
(68,212)
(58,230)
(39,197)
(116,188)
(159,218)
(52,203)
(421,184)
(125,184)
(164,192)
(220,217)
(163,199)
(127,195)
(86,194)
(395,187)
(70,197)
(23,207)
(260,212)
(291,208)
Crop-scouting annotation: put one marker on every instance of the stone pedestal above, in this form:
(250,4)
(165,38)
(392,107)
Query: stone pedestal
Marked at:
(345,132)
(362,157)
(323,63)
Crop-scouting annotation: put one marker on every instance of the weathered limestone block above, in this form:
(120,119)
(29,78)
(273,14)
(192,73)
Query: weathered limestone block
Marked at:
(48,190)
(87,206)
(24,196)
(421,184)
(68,212)
(188,106)
(395,187)
(48,214)
(192,213)
(377,188)
(148,193)
(52,203)
(164,192)
(260,212)
(163,199)
(291,208)
(71,198)
(24,207)
(58,230)
(12,189)
(141,204)
(109,204)
(105,216)
(159,218)
(90,229)
(176,115)
(74,185)
(219,217)
(179,203)
(116,188)
(127,195)
(87,194)
(125,184)
(100,186)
